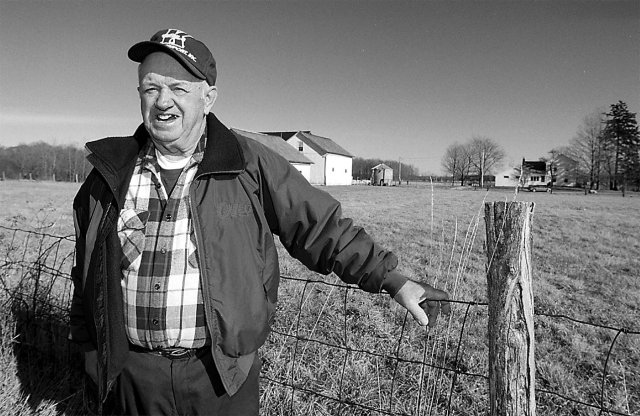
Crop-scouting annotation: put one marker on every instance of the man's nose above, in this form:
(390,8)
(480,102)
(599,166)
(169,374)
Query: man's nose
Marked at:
(164,99)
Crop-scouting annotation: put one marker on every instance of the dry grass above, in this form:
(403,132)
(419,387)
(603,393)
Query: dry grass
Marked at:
(585,266)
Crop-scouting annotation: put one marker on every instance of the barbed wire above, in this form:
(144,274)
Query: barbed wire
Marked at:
(47,268)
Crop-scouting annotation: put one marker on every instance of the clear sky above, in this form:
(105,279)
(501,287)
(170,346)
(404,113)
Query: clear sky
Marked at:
(390,79)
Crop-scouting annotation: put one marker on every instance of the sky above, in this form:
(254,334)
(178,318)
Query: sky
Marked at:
(384,79)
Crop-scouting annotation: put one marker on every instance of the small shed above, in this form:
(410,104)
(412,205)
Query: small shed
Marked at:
(381,175)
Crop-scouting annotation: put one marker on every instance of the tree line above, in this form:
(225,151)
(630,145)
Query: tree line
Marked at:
(361,169)
(44,161)
(606,149)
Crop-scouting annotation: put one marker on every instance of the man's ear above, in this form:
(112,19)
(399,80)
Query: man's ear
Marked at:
(210,96)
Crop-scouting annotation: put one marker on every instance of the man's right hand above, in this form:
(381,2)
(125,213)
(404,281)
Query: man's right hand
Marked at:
(423,301)
(91,365)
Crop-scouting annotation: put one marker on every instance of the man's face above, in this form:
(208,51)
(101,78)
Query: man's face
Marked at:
(173,102)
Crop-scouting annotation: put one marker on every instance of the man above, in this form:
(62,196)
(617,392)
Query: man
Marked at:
(176,272)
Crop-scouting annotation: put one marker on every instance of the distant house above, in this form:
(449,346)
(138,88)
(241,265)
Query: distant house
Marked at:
(381,175)
(564,171)
(531,173)
(560,171)
(535,173)
(332,164)
(297,159)
(508,178)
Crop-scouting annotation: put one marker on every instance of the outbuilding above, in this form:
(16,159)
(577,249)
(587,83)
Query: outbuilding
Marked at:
(381,175)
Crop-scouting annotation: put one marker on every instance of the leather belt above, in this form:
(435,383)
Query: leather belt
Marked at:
(172,353)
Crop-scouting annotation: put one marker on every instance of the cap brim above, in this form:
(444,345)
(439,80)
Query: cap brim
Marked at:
(141,50)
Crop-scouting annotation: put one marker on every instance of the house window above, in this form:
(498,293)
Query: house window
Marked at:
(345,171)
(506,176)
(333,169)
(300,146)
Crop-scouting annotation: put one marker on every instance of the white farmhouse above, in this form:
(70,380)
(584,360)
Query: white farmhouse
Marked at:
(530,174)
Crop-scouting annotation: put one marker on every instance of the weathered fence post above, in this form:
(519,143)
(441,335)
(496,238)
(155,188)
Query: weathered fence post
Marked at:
(511,337)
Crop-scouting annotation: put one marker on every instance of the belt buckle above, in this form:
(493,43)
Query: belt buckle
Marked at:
(175,352)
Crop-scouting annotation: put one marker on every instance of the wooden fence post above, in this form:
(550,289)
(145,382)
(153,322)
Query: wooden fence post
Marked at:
(511,338)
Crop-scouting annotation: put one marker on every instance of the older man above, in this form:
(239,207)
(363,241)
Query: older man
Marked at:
(176,273)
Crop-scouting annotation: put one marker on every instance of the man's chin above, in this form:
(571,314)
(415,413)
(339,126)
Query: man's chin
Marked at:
(163,136)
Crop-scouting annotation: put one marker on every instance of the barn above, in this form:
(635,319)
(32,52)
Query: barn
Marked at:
(297,159)
(381,175)
(332,164)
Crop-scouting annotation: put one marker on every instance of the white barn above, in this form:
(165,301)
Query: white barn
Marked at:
(297,159)
(332,164)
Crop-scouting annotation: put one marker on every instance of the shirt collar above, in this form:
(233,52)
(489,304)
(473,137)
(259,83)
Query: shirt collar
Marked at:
(150,161)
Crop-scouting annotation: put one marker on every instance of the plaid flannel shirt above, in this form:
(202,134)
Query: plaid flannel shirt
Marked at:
(161,279)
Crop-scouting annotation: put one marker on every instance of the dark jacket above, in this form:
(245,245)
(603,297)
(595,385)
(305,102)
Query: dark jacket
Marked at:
(242,194)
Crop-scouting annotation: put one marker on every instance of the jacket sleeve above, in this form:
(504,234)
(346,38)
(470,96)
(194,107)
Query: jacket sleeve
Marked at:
(310,225)
(78,332)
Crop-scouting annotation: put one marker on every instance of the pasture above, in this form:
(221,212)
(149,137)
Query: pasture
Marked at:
(339,346)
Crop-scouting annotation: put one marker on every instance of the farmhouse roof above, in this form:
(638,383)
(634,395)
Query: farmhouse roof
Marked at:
(276,144)
(534,165)
(381,166)
(322,145)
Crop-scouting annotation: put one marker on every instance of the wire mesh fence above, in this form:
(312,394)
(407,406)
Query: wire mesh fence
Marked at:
(332,350)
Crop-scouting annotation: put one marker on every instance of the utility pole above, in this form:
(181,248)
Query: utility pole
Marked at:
(482,170)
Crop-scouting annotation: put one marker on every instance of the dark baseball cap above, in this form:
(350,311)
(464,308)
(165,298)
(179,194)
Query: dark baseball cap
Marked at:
(189,51)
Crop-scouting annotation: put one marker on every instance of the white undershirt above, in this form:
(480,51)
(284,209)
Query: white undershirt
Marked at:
(166,163)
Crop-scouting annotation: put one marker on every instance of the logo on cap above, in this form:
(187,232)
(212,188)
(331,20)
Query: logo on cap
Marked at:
(175,39)
(173,36)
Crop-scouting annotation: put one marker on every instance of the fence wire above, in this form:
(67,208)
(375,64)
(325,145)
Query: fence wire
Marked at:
(35,285)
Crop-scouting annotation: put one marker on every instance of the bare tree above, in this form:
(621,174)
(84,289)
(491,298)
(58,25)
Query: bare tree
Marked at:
(456,162)
(588,148)
(485,154)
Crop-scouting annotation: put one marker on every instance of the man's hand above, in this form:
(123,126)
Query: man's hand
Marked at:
(91,365)
(423,302)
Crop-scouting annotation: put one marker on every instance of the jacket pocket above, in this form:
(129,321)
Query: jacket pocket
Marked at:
(131,232)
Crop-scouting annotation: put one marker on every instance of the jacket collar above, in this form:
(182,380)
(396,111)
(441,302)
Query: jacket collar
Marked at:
(223,154)
(115,157)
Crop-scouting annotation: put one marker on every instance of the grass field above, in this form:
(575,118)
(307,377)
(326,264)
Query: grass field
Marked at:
(586,266)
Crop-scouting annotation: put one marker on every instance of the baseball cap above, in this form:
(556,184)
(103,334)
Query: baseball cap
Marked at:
(189,51)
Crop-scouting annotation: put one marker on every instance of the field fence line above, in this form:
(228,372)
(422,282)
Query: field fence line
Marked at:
(36,281)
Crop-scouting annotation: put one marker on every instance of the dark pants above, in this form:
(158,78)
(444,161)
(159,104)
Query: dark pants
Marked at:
(155,385)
